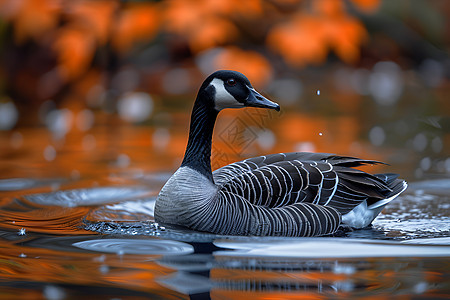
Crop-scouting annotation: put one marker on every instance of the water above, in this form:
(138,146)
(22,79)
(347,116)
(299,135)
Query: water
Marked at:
(77,221)
(103,241)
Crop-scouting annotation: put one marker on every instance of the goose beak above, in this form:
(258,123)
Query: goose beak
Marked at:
(255,99)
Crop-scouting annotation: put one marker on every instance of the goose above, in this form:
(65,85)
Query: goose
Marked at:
(286,194)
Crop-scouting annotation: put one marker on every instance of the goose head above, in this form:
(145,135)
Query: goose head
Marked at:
(231,89)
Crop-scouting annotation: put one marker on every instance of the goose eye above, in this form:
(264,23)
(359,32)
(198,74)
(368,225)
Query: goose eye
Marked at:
(231,82)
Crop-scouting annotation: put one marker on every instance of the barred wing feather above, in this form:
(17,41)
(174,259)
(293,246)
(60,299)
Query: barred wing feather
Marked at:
(282,183)
(223,174)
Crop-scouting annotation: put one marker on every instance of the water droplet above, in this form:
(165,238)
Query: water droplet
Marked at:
(320,133)
(22,231)
(23,255)
(318,92)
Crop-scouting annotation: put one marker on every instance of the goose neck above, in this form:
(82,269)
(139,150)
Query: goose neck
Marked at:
(198,150)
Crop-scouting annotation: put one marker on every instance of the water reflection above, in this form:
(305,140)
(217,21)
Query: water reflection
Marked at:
(330,278)
(225,276)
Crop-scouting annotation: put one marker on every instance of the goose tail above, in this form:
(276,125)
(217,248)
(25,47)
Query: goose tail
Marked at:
(396,185)
(363,215)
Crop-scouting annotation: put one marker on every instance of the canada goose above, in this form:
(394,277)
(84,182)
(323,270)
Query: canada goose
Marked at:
(285,194)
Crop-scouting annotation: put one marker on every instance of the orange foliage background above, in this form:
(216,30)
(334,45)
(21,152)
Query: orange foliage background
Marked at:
(90,54)
(300,32)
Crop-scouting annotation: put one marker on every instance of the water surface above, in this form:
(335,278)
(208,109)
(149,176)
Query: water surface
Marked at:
(76,215)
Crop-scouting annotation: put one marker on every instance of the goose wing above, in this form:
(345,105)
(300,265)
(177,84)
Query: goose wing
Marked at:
(267,195)
(283,179)
(228,172)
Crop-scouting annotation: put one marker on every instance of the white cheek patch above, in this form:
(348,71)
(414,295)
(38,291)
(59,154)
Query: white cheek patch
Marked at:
(222,98)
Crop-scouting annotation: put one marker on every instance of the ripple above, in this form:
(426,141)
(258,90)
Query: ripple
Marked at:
(17,184)
(136,246)
(141,210)
(145,207)
(330,248)
(90,196)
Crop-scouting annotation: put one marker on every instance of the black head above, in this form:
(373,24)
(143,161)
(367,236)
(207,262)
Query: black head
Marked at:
(231,89)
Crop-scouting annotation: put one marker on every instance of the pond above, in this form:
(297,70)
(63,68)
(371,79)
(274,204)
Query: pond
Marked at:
(76,211)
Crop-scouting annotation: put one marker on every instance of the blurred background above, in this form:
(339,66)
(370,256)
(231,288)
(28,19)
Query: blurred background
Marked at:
(93,87)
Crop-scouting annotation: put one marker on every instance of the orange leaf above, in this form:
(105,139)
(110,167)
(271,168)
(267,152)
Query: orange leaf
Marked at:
(300,41)
(32,18)
(96,16)
(367,6)
(329,7)
(345,35)
(75,50)
(252,64)
(183,16)
(212,32)
(136,23)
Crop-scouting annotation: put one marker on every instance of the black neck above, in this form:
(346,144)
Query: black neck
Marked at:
(198,150)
